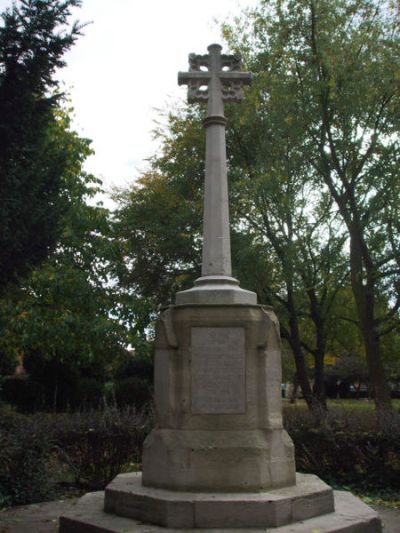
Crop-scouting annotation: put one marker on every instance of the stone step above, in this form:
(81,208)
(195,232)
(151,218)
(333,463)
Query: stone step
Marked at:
(309,497)
(351,516)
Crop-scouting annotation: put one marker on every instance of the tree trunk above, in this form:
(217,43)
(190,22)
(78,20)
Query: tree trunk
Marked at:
(295,388)
(319,377)
(364,293)
(380,386)
(318,352)
(317,408)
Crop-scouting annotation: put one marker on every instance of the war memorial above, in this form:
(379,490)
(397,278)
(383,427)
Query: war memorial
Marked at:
(218,457)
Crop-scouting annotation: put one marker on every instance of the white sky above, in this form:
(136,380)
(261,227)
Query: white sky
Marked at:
(125,66)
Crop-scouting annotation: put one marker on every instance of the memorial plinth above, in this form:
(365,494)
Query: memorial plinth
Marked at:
(218,403)
(218,456)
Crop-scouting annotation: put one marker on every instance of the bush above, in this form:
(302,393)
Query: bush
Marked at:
(348,450)
(60,381)
(25,452)
(93,447)
(27,395)
(137,366)
(368,460)
(90,393)
(133,392)
(98,445)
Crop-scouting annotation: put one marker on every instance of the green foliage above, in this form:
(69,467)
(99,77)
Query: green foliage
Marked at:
(91,393)
(350,369)
(133,391)
(91,447)
(34,159)
(27,395)
(158,221)
(97,445)
(141,366)
(311,59)
(350,449)
(25,452)
(65,305)
(64,316)
(61,317)
(369,460)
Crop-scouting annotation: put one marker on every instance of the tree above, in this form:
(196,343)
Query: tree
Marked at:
(64,316)
(158,222)
(351,371)
(33,39)
(297,262)
(339,62)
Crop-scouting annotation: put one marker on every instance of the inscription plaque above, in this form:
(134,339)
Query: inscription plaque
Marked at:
(218,370)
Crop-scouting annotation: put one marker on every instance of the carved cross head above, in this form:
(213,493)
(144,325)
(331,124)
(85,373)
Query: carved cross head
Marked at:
(220,70)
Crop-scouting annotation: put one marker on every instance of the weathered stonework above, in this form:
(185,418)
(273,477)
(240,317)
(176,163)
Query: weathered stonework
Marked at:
(309,497)
(351,515)
(211,440)
(218,370)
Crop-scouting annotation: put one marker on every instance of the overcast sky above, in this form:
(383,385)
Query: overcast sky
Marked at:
(125,67)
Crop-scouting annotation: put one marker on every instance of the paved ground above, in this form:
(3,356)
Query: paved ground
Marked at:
(36,518)
(390,519)
(43,518)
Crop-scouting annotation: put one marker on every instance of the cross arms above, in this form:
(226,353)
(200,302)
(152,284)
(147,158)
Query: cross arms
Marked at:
(204,68)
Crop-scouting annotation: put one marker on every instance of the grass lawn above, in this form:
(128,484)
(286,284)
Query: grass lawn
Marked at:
(346,405)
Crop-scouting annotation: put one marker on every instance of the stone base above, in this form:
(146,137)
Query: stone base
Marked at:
(218,406)
(126,496)
(218,461)
(351,515)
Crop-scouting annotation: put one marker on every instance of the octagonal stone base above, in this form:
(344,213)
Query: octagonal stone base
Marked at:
(126,496)
(351,515)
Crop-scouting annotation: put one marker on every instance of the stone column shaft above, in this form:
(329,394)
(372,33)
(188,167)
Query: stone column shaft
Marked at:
(216,243)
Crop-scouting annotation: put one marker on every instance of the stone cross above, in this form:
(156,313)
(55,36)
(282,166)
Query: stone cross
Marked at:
(215,78)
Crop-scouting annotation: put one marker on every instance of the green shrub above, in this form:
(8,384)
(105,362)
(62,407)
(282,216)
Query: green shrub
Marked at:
(348,450)
(89,394)
(59,389)
(93,447)
(27,395)
(137,366)
(369,460)
(133,391)
(98,445)
(60,381)
(25,451)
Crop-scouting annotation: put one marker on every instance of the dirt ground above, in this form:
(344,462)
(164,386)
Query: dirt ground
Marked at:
(43,517)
